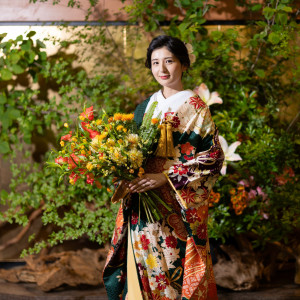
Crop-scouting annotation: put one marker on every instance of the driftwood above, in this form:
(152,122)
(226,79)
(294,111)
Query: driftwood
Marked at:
(34,215)
(51,271)
(237,269)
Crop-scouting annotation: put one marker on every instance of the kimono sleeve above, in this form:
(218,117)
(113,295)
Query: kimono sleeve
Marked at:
(199,158)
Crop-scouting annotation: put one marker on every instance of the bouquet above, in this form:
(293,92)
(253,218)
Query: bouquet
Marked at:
(110,146)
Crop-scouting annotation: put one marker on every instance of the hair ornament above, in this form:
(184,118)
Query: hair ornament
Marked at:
(190,50)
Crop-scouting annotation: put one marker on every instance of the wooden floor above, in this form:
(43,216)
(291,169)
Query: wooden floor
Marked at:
(280,288)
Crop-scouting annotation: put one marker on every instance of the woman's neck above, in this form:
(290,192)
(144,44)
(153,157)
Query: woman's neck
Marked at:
(168,92)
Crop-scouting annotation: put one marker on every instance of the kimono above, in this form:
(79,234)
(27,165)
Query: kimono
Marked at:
(172,256)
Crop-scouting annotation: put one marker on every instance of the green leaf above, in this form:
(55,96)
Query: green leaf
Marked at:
(17,69)
(30,34)
(30,55)
(26,45)
(256,7)
(268,12)
(4,147)
(43,55)
(274,38)
(3,195)
(282,18)
(260,73)
(14,58)
(3,99)
(2,36)
(19,38)
(40,44)
(13,113)
(5,74)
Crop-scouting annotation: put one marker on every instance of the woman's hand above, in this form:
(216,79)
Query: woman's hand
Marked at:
(147,182)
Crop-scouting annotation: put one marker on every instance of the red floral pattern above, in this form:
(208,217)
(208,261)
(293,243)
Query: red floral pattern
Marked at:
(171,241)
(145,242)
(188,195)
(202,231)
(192,215)
(180,169)
(197,102)
(134,218)
(162,281)
(187,148)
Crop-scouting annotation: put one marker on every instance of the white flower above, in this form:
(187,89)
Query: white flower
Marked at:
(228,153)
(205,95)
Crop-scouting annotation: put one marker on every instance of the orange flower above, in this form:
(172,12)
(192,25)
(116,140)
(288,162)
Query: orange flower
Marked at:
(213,198)
(109,190)
(127,117)
(118,117)
(154,121)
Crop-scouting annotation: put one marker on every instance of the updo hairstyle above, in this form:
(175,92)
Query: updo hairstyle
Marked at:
(174,45)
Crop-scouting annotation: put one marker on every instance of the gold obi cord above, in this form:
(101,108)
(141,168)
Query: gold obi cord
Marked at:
(165,146)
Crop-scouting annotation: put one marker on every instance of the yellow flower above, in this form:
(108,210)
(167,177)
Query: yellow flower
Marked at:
(74,139)
(62,143)
(151,261)
(72,181)
(81,147)
(82,152)
(154,121)
(89,166)
(136,245)
(133,138)
(103,135)
(66,125)
(118,116)
(98,122)
(120,141)
(125,129)
(81,118)
(119,127)
(109,190)
(84,140)
(136,158)
(110,142)
(63,152)
(127,117)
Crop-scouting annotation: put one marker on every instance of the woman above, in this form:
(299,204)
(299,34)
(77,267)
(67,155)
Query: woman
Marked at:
(169,259)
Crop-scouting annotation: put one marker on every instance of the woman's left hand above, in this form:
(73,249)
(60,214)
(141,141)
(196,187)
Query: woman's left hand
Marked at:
(147,182)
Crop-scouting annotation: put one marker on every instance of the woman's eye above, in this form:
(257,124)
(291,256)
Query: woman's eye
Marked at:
(169,61)
(155,63)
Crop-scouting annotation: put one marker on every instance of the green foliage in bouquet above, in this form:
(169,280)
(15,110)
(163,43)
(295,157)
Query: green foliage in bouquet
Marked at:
(254,68)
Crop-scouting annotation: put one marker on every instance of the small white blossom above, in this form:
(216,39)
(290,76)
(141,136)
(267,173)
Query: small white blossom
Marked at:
(205,95)
(229,153)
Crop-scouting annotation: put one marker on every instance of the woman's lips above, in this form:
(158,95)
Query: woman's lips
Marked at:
(164,77)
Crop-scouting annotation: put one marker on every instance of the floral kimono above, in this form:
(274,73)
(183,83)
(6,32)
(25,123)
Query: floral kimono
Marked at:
(172,256)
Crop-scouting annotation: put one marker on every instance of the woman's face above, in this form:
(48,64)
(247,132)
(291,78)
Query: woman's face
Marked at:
(166,68)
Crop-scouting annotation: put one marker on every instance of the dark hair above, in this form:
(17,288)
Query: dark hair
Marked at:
(174,45)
